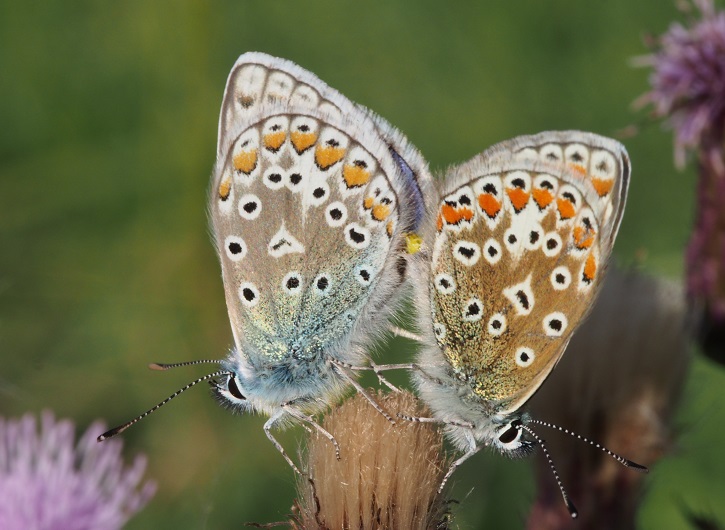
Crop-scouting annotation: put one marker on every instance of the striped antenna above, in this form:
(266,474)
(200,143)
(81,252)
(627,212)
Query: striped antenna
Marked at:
(118,430)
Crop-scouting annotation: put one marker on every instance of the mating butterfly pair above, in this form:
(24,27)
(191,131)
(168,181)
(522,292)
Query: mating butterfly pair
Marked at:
(313,203)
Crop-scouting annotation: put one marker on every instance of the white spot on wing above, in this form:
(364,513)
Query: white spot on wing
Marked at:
(284,243)
(521,296)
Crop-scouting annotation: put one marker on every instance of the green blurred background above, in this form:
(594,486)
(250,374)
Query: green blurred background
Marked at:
(108,116)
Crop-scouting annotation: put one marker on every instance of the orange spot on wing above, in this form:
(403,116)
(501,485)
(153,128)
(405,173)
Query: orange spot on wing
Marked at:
(590,269)
(542,197)
(355,175)
(389,228)
(489,204)
(273,141)
(566,208)
(578,168)
(602,186)
(456,215)
(245,161)
(225,189)
(368,203)
(583,238)
(439,222)
(328,156)
(518,198)
(449,214)
(302,141)
(381,212)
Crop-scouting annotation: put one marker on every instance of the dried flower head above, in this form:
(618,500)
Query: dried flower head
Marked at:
(49,483)
(387,477)
(688,78)
(618,384)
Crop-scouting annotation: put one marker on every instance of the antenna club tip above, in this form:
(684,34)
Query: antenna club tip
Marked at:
(638,467)
(157,366)
(572,509)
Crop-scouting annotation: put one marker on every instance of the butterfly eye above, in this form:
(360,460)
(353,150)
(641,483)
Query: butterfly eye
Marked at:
(509,435)
(234,389)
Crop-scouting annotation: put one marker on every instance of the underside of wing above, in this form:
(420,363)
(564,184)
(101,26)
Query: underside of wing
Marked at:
(258,80)
(308,225)
(520,247)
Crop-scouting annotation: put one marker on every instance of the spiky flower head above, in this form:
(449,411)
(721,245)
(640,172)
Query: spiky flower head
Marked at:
(387,477)
(50,482)
(688,78)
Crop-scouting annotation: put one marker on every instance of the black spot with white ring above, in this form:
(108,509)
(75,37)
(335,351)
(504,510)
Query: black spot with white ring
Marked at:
(560,278)
(292,283)
(336,214)
(248,294)
(497,325)
(552,244)
(357,236)
(473,310)
(492,251)
(555,324)
(363,274)
(235,248)
(250,207)
(445,284)
(322,284)
(466,252)
(524,356)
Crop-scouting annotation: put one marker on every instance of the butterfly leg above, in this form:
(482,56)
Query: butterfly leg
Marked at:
(268,431)
(472,450)
(311,421)
(340,369)
(419,419)
(401,332)
(377,369)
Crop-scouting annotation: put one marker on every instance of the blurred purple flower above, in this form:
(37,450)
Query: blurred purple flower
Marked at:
(688,78)
(48,483)
(688,91)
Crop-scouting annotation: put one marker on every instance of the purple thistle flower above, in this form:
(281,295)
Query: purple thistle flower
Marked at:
(688,90)
(47,482)
(688,79)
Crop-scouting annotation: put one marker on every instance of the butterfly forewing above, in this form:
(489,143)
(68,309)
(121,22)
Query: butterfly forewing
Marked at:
(521,243)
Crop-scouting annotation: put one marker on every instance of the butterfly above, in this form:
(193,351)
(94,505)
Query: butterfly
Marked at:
(311,197)
(519,240)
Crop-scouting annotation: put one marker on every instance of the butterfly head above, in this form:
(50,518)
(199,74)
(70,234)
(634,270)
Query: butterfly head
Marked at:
(230,392)
(511,439)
